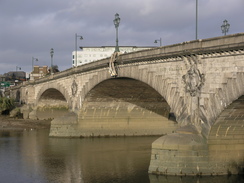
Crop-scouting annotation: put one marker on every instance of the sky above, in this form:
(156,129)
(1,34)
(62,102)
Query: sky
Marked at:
(30,28)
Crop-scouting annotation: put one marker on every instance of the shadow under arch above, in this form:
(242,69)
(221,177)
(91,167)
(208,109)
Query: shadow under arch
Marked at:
(125,104)
(226,139)
(51,104)
(52,93)
(131,91)
(55,88)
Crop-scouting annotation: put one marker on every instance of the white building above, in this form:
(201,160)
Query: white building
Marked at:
(91,54)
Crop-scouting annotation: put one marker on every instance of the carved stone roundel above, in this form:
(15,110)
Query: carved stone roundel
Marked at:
(74,88)
(193,80)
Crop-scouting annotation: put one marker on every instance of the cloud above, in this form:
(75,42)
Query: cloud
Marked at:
(32,28)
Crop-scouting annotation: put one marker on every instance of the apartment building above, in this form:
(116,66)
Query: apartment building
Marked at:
(90,54)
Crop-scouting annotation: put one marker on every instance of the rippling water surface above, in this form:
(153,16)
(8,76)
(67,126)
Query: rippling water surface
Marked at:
(32,156)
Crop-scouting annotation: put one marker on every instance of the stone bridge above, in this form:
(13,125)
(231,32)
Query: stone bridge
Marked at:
(192,91)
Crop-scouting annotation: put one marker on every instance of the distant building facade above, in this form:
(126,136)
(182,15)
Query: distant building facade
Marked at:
(91,54)
(14,77)
(2,78)
(38,72)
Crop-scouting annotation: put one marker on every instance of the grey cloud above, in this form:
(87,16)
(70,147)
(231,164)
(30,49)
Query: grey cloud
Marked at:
(31,28)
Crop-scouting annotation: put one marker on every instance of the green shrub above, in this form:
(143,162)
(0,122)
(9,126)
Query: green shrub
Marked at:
(6,104)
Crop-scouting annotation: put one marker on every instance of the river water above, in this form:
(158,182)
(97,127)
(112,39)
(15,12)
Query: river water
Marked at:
(34,157)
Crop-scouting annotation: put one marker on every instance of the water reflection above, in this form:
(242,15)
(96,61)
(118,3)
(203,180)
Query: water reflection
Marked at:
(34,157)
(31,156)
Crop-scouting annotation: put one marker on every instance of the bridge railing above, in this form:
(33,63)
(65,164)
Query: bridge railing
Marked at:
(218,44)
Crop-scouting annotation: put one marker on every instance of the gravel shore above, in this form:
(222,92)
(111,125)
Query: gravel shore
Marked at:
(7,123)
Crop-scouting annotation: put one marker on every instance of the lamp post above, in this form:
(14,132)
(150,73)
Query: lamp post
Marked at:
(76,36)
(51,54)
(196,17)
(33,59)
(225,27)
(160,41)
(116,23)
(18,68)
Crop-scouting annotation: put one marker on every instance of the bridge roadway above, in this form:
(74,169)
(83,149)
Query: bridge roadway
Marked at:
(192,93)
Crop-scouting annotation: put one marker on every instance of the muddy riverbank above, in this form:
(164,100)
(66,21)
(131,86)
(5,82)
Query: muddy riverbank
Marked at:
(7,123)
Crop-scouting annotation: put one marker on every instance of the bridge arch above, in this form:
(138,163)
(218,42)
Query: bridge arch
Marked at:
(129,90)
(231,120)
(222,98)
(62,94)
(50,95)
(51,103)
(163,86)
(225,139)
(125,106)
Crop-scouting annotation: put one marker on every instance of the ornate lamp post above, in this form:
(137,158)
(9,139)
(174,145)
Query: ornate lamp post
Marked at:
(225,27)
(33,59)
(51,54)
(76,36)
(116,23)
(160,41)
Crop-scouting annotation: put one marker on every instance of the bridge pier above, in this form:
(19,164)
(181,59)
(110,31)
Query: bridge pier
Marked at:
(187,152)
(190,154)
(104,122)
(182,153)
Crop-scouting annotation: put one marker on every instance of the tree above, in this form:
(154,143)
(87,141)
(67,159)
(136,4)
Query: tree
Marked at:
(54,68)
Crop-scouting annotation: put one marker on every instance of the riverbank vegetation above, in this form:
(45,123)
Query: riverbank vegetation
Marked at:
(6,105)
